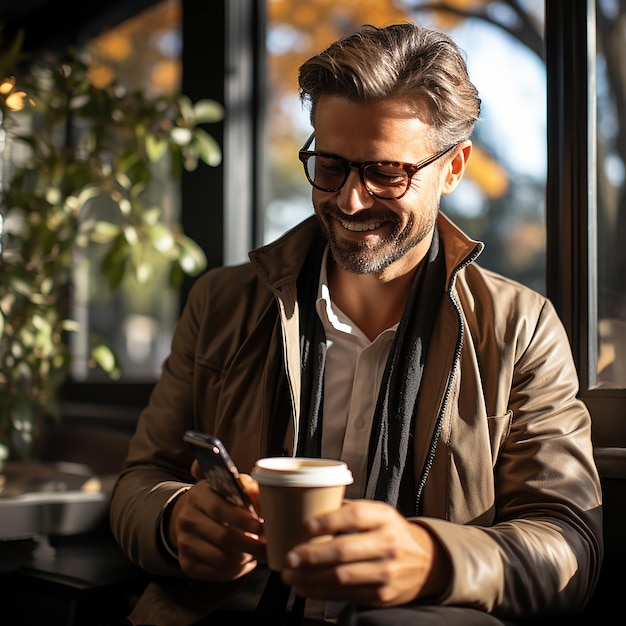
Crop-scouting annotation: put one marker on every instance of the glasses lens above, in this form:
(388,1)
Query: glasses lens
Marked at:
(386,181)
(326,173)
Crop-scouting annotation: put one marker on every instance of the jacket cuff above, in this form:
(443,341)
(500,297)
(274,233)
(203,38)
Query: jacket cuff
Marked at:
(168,550)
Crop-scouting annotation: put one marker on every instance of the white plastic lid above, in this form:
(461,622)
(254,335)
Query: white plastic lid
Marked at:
(301,472)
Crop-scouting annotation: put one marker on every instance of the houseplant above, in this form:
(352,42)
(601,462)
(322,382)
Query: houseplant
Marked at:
(67,149)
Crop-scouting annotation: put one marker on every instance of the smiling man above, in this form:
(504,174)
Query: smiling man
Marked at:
(370,333)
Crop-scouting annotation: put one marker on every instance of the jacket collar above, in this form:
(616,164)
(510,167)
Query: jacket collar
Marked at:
(279,263)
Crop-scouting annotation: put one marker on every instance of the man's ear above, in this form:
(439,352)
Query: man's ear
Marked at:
(455,169)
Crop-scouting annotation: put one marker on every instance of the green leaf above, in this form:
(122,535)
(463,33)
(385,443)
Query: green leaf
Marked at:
(208,111)
(181,136)
(104,232)
(22,287)
(70,325)
(106,359)
(151,216)
(208,148)
(155,148)
(176,275)
(42,324)
(143,272)
(114,262)
(186,108)
(161,237)
(192,259)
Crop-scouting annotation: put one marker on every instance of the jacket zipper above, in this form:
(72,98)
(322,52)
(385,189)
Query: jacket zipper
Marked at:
(446,396)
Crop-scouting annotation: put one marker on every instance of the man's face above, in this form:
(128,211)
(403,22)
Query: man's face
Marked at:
(367,234)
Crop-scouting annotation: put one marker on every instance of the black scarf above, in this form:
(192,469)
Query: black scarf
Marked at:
(390,458)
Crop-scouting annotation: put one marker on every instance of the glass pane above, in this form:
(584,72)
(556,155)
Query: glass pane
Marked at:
(501,200)
(610,122)
(137,321)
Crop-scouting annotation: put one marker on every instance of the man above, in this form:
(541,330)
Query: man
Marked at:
(370,334)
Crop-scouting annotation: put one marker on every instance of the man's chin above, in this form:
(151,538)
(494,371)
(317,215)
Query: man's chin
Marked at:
(358,259)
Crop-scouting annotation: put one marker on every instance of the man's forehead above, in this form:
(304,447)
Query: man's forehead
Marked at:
(387,129)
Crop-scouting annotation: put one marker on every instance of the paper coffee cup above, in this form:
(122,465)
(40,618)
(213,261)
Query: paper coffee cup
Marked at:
(293,490)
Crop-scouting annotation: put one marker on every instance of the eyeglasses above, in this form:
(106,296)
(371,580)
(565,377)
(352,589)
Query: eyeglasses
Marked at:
(389,180)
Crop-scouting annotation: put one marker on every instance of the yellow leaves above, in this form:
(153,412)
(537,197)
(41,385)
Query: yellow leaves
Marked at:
(322,15)
(490,176)
(114,45)
(13,100)
(100,75)
(525,243)
(7,85)
(317,24)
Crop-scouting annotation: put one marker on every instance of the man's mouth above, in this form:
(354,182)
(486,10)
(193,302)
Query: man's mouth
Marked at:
(360,227)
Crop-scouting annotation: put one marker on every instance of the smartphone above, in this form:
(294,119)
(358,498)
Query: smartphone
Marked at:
(218,468)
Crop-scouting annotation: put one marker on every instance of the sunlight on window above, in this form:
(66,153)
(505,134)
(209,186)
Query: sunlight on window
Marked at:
(610,196)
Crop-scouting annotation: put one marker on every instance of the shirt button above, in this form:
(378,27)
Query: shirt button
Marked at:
(359,423)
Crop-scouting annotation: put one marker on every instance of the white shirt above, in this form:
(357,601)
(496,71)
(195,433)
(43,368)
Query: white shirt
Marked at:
(352,376)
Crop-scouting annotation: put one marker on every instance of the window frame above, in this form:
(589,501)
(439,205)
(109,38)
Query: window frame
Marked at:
(571,256)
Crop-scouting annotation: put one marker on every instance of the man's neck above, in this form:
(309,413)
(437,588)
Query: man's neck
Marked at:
(374,302)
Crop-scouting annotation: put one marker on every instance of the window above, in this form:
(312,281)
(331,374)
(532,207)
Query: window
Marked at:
(142,53)
(584,265)
(607,38)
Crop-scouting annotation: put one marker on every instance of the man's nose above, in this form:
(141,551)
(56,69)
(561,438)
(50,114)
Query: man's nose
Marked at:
(353,196)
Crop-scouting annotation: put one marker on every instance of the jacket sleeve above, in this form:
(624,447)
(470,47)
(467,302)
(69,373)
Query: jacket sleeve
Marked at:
(543,551)
(158,462)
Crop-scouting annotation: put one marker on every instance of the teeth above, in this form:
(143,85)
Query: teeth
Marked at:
(361,227)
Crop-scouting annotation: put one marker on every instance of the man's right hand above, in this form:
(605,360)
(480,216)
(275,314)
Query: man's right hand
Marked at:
(215,540)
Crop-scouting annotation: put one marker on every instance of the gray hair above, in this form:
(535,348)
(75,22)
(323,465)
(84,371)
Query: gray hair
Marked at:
(401,60)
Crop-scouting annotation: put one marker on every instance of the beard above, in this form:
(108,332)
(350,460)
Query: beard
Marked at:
(367,257)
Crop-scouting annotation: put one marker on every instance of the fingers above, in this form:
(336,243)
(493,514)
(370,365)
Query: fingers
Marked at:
(374,556)
(252,489)
(196,472)
(215,539)
(217,553)
(210,504)
(353,516)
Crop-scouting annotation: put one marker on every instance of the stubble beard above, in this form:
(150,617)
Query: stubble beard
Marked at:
(363,257)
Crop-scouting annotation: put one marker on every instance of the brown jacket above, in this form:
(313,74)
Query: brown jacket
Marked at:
(513,493)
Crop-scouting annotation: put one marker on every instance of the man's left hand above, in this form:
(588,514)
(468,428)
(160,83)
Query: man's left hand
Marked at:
(375,557)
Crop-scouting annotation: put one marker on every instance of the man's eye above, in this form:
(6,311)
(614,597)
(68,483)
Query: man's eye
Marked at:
(388,176)
(329,167)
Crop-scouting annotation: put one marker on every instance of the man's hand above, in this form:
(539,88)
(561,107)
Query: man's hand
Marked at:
(376,557)
(215,540)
